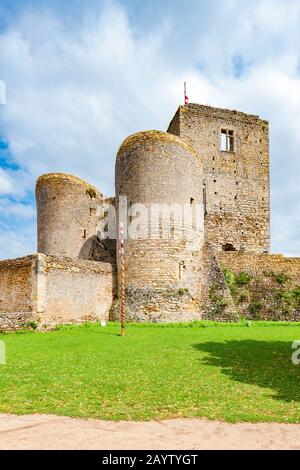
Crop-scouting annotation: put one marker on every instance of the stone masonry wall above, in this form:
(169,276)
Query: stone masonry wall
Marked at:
(263,286)
(162,272)
(217,302)
(67,216)
(51,290)
(236,183)
(257,264)
(16,292)
(76,290)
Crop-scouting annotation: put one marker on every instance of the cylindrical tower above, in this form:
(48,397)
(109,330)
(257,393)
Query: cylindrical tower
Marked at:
(161,177)
(66,215)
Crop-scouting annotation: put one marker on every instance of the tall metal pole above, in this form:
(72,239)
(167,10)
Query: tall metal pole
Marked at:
(122,280)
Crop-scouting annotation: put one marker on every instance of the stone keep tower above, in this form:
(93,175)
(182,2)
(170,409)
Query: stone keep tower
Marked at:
(162,274)
(235,151)
(66,215)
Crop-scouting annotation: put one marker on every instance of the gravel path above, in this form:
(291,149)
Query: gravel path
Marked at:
(55,432)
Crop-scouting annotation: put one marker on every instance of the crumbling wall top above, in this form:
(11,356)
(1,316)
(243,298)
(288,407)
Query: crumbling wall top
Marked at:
(57,178)
(152,135)
(219,112)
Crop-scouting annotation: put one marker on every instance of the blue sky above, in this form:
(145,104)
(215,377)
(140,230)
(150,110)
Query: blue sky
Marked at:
(82,75)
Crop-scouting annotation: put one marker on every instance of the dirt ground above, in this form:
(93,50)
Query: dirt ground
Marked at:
(55,432)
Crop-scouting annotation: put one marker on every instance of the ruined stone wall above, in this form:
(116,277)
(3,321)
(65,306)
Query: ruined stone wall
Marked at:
(236,183)
(50,290)
(76,290)
(67,216)
(271,287)
(256,264)
(217,301)
(162,274)
(16,291)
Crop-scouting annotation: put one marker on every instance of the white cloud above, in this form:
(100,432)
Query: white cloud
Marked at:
(16,243)
(16,209)
(6,183)
(72,100)
(73,93)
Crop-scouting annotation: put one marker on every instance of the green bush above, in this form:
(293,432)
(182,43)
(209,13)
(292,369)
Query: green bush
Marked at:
(182,291)
(284,295)
(281,278)
(255,307)
(91,192)
(31,324)
(222,302)
(229,277)
(296,293)
(243,278)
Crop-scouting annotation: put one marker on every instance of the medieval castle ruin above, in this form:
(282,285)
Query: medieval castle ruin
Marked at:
(215,158)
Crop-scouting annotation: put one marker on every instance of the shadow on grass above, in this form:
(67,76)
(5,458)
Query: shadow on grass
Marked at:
(266,364)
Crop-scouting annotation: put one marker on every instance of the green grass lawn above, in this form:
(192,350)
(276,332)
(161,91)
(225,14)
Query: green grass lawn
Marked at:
(219,371)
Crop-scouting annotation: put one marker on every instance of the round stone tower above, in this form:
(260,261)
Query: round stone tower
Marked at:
(161,176)
(66,215)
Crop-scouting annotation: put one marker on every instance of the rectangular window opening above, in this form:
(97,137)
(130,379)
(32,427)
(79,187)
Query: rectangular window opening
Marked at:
(223,140)
(227,140)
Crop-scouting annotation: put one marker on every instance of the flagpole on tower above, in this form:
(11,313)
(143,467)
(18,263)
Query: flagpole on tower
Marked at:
(186,99)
